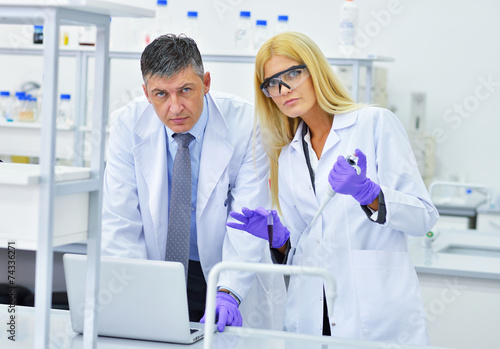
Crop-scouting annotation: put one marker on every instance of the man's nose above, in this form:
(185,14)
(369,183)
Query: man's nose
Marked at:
(175,105)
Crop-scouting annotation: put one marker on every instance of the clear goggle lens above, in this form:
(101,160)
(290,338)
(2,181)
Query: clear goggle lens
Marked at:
(290,78)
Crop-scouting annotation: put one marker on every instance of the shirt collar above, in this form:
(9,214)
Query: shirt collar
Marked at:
(198,128)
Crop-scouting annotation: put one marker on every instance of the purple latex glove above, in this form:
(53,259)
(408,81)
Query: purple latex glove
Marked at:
(226,311)
(344,180)
(255,223)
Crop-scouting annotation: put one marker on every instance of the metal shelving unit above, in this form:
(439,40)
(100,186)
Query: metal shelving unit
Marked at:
(52,15)
(76,137)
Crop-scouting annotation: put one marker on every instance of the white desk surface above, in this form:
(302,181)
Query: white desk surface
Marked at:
(432,261)
(232,338)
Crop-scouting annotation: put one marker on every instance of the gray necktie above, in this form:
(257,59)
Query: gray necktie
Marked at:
(179,217)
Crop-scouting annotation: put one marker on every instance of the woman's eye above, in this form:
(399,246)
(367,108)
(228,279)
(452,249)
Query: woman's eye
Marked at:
(293,74)
(272,83)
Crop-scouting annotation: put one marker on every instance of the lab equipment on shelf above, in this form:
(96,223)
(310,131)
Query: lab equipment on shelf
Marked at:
(28,109)
(459,199)
(282,24)
(348,27)
(160,24)
(86,36)
(65,111)
(243,33)
(261,34)
(38,34)
(192,27)
(6,106)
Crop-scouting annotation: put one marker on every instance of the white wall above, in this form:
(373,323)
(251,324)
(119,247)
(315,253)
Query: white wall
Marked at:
(446,49)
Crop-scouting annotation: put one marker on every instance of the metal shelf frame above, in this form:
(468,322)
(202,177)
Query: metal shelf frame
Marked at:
(52,17)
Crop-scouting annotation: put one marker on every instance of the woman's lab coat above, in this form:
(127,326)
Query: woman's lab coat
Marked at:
(378,296)
(135,203)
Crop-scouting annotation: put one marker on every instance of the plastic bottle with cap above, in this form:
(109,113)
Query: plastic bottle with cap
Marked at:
(16,104)
(261,34)
(282,24)
(27,111)
(348,28)
(243,34)
(65,111)
(6,106)
(161,23)
(192,27)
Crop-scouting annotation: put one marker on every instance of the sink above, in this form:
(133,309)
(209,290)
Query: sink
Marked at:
(467,250)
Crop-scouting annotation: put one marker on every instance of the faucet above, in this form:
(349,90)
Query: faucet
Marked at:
(213,276)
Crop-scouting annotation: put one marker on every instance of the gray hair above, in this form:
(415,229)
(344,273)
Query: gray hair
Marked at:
(168,55)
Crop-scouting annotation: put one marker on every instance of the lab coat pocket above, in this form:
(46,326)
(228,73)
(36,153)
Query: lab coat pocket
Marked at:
(389,300)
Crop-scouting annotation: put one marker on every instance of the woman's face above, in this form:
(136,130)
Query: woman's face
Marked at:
(300,101)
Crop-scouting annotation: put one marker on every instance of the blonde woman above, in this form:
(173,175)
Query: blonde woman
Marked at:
(309,125)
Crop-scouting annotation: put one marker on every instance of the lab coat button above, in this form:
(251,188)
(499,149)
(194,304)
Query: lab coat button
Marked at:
(318,241)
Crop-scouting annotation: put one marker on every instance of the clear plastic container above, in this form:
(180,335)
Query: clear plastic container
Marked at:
(282,24)
(161,23)
(16,104)
(261,34)
(192,27)
(27,109)
(348,28)
(243,33)
(6,106)
(65,111)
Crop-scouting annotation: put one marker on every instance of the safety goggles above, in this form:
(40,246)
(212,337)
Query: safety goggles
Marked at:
(291,78)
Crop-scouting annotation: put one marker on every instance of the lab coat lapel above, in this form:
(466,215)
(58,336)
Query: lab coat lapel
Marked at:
(150,157)
(215,155)
(303,190)
(340,121)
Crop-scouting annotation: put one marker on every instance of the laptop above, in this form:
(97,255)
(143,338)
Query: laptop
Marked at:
(139,299)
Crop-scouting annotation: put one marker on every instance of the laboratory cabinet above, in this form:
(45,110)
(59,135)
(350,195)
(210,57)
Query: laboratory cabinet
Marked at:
(459,275)
(20,200)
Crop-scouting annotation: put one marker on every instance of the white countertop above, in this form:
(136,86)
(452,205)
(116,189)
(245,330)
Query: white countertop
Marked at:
(475,264)
(232,338)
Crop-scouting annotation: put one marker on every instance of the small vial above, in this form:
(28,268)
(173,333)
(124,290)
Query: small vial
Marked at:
(38,34)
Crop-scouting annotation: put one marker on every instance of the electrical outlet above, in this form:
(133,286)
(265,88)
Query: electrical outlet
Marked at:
(418,100)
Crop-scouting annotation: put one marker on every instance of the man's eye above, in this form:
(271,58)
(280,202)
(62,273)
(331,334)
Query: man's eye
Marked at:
(160,94)
(186,89)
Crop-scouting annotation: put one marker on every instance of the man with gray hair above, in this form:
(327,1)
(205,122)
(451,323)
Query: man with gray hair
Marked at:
(149,213)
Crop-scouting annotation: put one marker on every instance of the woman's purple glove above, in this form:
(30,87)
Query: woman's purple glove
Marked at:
(255,223)
(344,180)
(226,311)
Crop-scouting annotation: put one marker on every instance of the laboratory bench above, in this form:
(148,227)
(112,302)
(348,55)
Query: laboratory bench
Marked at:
(459,275)
(62,336)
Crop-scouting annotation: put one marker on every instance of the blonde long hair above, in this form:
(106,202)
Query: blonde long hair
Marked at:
(278,129)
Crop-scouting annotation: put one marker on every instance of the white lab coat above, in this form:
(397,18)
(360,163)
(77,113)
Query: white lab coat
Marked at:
(378,296)
(135,203)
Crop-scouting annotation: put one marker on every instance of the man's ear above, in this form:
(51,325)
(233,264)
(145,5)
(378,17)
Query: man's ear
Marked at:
(206,82)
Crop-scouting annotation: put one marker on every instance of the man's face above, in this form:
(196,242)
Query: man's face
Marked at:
(178,100)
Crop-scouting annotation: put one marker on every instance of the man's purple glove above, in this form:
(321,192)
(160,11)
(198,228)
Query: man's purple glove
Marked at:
(226,311)
(344,180)
(255,223)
